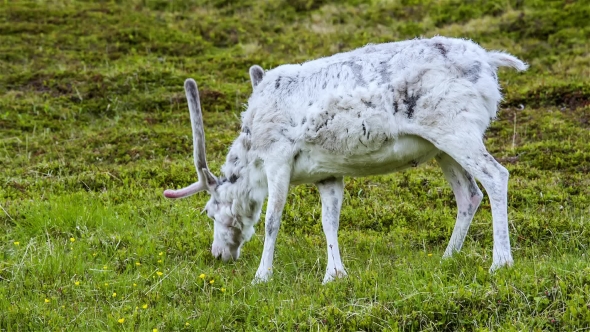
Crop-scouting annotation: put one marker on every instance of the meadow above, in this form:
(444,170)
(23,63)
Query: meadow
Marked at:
(94,126)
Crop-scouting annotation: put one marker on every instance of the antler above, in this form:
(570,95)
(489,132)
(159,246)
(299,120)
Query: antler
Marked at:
(206,181)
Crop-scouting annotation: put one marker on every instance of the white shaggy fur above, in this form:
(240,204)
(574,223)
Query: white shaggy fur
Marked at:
(375,110)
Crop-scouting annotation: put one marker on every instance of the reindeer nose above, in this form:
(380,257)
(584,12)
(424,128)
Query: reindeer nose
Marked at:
(225,255)
(217,252)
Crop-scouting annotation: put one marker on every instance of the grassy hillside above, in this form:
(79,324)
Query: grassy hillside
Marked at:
(94,126)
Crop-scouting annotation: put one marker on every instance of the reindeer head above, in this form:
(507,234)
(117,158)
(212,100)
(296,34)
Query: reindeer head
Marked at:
(233,218)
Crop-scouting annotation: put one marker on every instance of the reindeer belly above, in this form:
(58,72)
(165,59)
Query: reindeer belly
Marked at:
(313,164)
(356,133)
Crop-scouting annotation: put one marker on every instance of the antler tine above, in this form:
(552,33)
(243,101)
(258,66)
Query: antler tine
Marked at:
(194,106)
(200,160)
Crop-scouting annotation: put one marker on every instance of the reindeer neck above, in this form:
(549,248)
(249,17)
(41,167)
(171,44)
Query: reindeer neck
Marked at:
(244,174)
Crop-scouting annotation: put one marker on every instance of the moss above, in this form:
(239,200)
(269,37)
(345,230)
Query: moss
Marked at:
(563,95)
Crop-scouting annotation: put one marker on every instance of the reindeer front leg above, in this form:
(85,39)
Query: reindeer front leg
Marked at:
(279,178)
(331,193)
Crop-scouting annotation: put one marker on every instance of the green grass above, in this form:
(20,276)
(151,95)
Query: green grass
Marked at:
(94,126)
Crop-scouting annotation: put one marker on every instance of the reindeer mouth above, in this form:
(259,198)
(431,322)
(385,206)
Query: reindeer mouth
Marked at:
(225,255)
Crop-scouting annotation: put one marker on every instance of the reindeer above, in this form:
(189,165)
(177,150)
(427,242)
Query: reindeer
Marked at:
(374,110)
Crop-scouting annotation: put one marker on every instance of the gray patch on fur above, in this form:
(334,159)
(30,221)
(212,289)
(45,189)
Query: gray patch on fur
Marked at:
(247,144)
(473,72)
(494,75)
(473,190)
(410,103)
(334,208)
(233,159)
(272,226)
(384,72)
(369,104)
(288,82)
(357,72)
(283,133)
(441,48)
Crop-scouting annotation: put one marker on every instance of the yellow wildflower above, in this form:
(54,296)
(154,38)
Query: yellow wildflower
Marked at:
(202,276)
(121,320)
(16,243)
(155,330)
(159,273)
(47,301)
(72,239)
(222,290)
(114,294)
(429,255)
(106,283)
(160,261)
(187,324)
(104,267)
(144,306)
(137,263)
(134,285)
(161,253)
(77,283)
(211,281)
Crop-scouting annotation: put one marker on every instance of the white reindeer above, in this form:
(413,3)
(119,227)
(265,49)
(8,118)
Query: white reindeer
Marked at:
(374,110)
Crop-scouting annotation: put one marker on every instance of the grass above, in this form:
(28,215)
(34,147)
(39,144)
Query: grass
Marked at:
(94,126)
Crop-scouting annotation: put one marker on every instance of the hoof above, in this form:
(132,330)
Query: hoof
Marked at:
(333,275)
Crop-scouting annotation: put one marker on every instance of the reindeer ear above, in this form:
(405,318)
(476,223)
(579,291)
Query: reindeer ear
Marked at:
(256,75)
(210,179)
